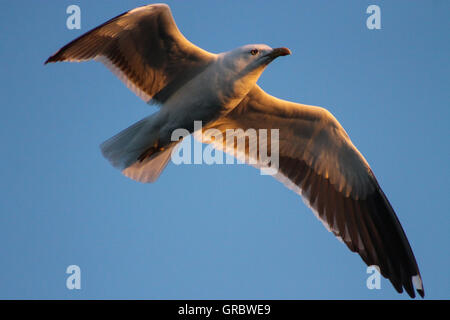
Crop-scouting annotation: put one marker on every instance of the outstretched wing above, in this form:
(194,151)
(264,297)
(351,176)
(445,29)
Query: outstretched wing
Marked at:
(144,48)
(318,161)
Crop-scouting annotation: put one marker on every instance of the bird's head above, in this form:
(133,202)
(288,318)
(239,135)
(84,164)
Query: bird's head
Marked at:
(254,56)
(246,64)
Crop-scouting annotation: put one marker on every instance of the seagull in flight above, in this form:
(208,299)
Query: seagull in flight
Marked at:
(317,159)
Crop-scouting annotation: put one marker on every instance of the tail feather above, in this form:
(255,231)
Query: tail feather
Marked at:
(149,169)
(117,149)
(124,151)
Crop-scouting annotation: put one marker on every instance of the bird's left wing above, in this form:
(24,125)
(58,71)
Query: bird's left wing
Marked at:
(318,161)
(144,48)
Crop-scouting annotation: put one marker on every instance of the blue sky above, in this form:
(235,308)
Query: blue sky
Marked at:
(221,231)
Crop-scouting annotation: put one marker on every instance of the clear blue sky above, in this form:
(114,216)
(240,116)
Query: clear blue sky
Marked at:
(218,232)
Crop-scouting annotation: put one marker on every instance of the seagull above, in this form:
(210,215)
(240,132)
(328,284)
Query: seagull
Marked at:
(144,48)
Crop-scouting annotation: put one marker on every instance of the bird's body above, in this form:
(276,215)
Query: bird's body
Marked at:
(200,98)
(317,159)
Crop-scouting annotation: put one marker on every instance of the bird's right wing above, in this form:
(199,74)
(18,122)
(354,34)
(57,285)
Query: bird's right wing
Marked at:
(144,48)
(318,161)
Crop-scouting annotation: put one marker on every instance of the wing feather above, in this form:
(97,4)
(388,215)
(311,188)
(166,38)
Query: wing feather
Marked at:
(318,161)
(144,48)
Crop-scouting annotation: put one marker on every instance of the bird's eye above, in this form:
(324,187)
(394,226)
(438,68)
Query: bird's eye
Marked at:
(254,52)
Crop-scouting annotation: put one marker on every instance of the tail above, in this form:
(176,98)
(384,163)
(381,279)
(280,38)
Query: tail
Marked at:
(135,151)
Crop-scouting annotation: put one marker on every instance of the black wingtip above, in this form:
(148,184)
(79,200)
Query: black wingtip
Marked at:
(421,292)
(418,284)
(51,59)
